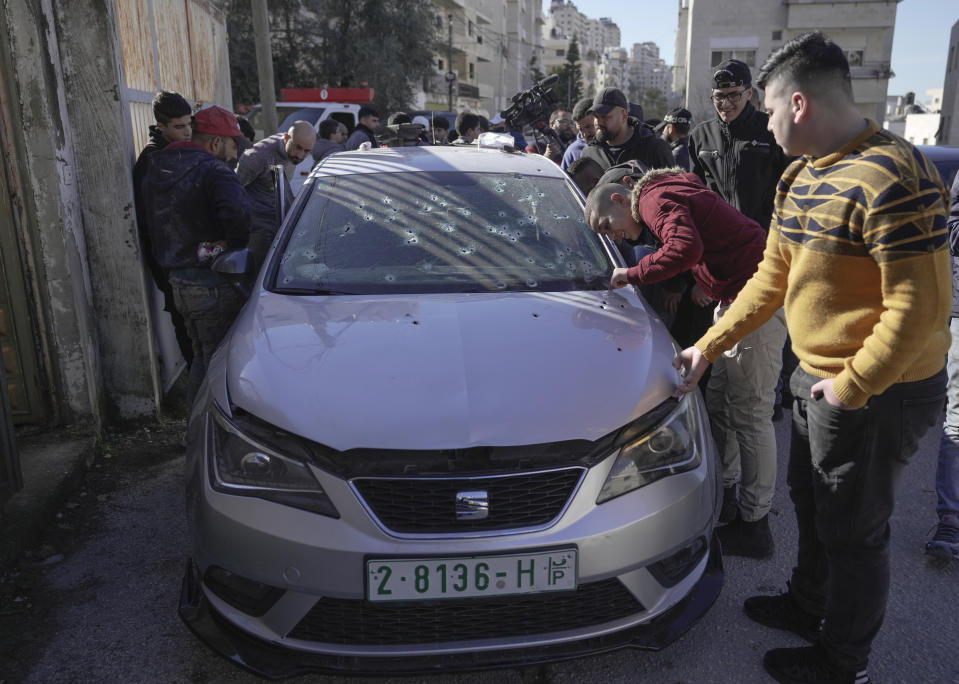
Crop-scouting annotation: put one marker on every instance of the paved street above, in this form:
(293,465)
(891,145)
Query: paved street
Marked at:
(96,601)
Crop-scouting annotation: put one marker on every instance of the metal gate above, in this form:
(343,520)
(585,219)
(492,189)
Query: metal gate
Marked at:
(180,46)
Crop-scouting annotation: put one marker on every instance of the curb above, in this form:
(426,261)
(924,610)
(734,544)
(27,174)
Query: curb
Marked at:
(53,466)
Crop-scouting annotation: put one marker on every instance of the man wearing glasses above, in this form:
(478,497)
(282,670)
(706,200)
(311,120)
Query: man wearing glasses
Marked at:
(737,157)
(734,154)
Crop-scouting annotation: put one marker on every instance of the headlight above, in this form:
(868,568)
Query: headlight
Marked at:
(268,465)
(659,444)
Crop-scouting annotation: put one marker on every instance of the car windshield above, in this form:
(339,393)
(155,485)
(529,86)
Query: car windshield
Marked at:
(424,232)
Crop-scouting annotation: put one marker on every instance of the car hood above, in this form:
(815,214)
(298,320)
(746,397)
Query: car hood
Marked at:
(448,371)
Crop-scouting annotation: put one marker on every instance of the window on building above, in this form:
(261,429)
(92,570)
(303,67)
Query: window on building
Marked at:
(854,57)
(777,35)
(439,21)
(469,27)
(479,38)
(561,53)
(439,64)
(472,71)
(952,54)
(743,55)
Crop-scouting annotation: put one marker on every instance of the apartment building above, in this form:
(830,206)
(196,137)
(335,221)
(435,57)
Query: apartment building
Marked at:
(648,70)
(710,31)
(486,53)
(948,133)
(613,69)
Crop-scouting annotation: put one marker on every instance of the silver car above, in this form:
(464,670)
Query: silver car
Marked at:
(434,440)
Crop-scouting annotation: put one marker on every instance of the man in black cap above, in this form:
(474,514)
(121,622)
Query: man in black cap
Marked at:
(675,129)
(734,154)
(621,137)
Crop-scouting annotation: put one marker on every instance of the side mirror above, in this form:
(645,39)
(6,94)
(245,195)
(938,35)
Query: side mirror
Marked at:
(234,262)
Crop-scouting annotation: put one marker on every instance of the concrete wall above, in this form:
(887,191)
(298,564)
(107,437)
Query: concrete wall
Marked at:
(88,277)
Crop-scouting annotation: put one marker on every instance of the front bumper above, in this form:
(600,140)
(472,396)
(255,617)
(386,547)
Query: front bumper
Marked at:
(275,662)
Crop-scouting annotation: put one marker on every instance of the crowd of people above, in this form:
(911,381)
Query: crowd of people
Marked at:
(800,255)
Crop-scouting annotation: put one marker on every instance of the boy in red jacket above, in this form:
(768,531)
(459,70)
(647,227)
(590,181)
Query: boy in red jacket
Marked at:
(698,231)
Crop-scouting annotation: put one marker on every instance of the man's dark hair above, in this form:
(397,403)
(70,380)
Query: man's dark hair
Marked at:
(810,62)
(167,106)
(582,108)
(328,127)
(367,111)
(248,132)
(466,121)
(399,118)
(483,123)
(586,173)
(440,122)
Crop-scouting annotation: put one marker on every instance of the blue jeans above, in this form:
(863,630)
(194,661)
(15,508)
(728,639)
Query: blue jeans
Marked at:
(842,474)
(208,312)
(947,471)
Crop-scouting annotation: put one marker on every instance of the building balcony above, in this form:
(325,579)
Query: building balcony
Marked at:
(873,70)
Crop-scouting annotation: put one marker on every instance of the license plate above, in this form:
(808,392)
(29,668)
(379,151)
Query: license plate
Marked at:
(435,578)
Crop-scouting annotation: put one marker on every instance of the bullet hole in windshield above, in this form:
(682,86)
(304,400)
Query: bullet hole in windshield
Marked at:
(389,277)
(535,315)
(530,282)
(500,285)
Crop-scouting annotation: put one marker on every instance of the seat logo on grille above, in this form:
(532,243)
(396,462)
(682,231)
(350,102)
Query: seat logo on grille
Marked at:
(472,505)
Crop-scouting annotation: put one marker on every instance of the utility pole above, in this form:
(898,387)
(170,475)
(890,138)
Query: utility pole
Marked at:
(449,57)
(264,65)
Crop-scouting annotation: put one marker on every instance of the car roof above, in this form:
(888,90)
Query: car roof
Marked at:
(437,158)
(939,152)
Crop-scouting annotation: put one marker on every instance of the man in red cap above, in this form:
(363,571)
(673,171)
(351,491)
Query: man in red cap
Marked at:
(195,208)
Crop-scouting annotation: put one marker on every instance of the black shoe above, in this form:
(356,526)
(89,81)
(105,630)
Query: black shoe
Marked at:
(730,509)
(750,539)
(782,612)
(808,665)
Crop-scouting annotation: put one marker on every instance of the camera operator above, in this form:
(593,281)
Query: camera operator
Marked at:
(621,138)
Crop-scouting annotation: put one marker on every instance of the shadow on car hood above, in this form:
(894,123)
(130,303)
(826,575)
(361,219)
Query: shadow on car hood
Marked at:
(449,371)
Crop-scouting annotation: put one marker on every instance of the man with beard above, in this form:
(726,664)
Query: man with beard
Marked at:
(195,206)
(675,130)
(255,172)
(621,138)
(586,127)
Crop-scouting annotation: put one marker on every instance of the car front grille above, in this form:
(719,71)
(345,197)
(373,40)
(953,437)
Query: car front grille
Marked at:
(350,621)
(428,505)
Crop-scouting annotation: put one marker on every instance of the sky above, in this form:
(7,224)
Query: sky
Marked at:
(919,47)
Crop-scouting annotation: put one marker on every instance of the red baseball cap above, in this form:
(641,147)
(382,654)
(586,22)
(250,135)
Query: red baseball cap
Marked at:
(216,121)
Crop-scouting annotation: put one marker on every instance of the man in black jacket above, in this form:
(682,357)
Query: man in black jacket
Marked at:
(365,131)
(734,154)
(621,138)
(195,207)
(174,120)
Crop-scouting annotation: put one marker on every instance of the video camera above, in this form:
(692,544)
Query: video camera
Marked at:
(532,107)
(403,135)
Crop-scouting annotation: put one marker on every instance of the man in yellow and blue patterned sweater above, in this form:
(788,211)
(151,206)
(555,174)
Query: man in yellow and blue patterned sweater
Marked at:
(858,255)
